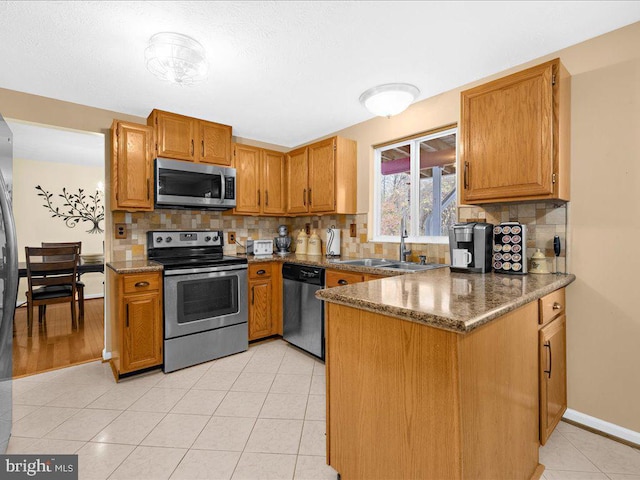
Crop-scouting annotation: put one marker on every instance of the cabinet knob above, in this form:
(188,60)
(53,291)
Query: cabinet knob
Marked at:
(142,284)
(342,281)
(557,306)
(261,272)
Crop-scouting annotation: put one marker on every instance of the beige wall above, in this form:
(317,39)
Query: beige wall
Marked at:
(34,223)
(603,322)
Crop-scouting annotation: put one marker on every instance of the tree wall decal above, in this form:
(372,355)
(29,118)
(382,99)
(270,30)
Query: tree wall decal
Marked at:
(76,207)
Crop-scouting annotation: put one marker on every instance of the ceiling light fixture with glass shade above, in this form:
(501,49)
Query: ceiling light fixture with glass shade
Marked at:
(389,99)
(176,58)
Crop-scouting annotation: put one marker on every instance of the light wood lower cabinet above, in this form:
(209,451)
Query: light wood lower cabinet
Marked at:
(410,401)
(552,350)
(265,300)
(136,321)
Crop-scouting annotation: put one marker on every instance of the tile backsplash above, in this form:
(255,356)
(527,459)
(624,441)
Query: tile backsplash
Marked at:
(543,220)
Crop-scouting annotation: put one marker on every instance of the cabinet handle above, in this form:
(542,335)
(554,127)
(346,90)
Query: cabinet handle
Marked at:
(253,294)
(557,306)
(342,281)
(202,148)
(192,147)
(261,272)
(304,197)
(548,345)
(142,284)
(466,174)
(309,197)
(148,188)
(127,315)
(266,198)
(258,197)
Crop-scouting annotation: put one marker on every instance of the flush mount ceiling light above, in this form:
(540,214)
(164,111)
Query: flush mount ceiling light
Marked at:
(389,99)
(176,58)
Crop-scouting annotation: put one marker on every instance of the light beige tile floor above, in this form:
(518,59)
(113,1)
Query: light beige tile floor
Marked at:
(256,415)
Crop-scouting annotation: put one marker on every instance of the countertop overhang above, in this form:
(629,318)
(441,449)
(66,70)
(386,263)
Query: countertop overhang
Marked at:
(459,302)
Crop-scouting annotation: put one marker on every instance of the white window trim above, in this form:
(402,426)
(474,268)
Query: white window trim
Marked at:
(415,192)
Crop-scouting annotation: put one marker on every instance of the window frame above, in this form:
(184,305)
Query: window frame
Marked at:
(413,226)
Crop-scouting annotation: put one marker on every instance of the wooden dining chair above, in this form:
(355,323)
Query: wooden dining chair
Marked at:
(79,284)
(51,278)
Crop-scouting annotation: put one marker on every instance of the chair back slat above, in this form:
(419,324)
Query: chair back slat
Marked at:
(61,244)
(42,271)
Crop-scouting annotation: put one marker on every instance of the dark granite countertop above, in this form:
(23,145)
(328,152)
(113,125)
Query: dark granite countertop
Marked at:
(459,302)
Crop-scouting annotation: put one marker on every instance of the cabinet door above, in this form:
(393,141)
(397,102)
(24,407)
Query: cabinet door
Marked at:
(260,315)
(553,376)
(214,143)
(273,183)
(131,173)
(507,149)
(176,136)
(322,176)
(142,332)
(247,162)
(297,181)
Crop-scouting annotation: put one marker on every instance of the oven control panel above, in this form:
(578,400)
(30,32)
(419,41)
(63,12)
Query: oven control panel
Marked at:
(176,238)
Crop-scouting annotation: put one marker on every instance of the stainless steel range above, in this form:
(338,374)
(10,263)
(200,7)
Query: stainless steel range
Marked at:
(205,311)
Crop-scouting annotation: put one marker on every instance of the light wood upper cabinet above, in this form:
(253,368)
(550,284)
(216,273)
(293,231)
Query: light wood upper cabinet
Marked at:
(190,139)
(274,183)
(260,180)
(248,172)
(131,169)
(322,173)
(322,177)
(514,142)
(297,180)
(215,143)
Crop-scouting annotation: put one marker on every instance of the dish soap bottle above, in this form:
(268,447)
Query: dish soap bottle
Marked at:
(302,242)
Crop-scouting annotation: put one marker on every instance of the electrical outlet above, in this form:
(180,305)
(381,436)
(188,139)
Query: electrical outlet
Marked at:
(121,231)
(352,229)
(307,228)
(232,238)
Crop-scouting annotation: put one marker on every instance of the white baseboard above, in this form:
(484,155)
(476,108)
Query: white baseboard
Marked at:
(602,426)
(106,355)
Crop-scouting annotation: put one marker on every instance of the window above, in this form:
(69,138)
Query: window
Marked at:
(416,178)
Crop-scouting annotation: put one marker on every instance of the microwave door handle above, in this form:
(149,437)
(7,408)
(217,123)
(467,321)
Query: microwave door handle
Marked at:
(223,187)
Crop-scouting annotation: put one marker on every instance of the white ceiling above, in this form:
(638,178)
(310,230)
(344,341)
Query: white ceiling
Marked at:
(282,72)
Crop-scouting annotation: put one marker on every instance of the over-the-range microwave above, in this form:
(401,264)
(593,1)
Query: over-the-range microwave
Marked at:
(194,185)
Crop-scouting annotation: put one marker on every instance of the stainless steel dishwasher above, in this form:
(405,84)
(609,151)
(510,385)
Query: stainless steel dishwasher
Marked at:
(303,313)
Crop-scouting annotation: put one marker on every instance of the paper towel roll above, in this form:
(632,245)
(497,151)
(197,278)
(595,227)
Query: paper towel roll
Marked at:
(333,242)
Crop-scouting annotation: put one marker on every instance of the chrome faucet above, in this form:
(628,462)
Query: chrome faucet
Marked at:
(403,235)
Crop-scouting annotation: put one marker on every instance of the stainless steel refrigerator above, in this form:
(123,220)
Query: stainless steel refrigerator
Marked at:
(8,282)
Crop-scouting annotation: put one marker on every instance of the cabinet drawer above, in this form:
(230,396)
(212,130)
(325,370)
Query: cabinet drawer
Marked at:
(336,278)
(141,283)
(551,306)
(260,270)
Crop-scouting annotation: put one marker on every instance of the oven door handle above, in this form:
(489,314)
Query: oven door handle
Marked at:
(221,268)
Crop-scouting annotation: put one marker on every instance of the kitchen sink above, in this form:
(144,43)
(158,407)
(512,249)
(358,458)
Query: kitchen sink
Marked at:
(389,264)
(412,267)
(368,262)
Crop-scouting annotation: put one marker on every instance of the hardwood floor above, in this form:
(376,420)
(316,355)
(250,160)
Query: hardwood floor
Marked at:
(55,344)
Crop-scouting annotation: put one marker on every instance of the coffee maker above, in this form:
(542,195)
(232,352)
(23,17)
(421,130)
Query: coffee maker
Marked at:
(470,245)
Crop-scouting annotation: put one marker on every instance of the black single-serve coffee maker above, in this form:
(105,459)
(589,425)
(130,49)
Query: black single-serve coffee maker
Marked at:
(470,245)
